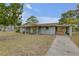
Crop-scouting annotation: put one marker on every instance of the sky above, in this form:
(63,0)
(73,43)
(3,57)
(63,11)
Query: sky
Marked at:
(46,12)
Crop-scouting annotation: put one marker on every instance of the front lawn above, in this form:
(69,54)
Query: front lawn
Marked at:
(75,38)
(12,43)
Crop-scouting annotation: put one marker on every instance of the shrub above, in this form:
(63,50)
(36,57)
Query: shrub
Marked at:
(18,30)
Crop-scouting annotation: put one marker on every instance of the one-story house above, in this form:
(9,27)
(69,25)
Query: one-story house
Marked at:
(48,28)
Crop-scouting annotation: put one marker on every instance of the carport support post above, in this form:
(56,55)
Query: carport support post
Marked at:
(70,30)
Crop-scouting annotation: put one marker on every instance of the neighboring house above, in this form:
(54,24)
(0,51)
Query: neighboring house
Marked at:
(1,28)
(49,28)
(7,28)
(10,28)
(77,24)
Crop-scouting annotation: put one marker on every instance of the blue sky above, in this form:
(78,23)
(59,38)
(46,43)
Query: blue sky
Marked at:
(46,12)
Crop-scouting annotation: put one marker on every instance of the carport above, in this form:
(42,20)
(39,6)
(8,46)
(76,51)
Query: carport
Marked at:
(63,29)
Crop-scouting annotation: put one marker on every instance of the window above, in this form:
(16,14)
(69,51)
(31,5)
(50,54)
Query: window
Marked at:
(47,28)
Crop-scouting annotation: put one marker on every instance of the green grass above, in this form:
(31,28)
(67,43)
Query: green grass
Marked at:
(75,38)
(17,44)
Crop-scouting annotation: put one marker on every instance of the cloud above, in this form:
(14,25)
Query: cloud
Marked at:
(48,19)
(29,6)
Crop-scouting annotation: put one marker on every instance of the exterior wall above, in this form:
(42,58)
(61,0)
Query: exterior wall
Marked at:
(7,28)
(50,30)
(1,27)
(69,30)
(24,30)
(42,30)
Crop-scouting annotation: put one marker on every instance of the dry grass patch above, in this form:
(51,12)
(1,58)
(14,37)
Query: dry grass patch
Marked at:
(75,38)
(20,44)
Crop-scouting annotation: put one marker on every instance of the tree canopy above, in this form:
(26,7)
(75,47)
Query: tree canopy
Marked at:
(11,14)
(32,20)
(70,17)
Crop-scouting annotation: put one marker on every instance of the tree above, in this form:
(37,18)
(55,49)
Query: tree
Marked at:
(67,21)
(11,14)
(3,18)
(70,13)
(77,14)
(2,14)
(68,17)
(16,10)
(32,20)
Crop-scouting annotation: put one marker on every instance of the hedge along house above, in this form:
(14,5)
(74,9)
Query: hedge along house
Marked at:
(49,29)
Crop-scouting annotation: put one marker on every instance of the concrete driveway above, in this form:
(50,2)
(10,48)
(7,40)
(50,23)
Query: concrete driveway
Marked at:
(63,46)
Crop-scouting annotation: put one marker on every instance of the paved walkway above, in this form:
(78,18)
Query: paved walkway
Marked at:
(63,46)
